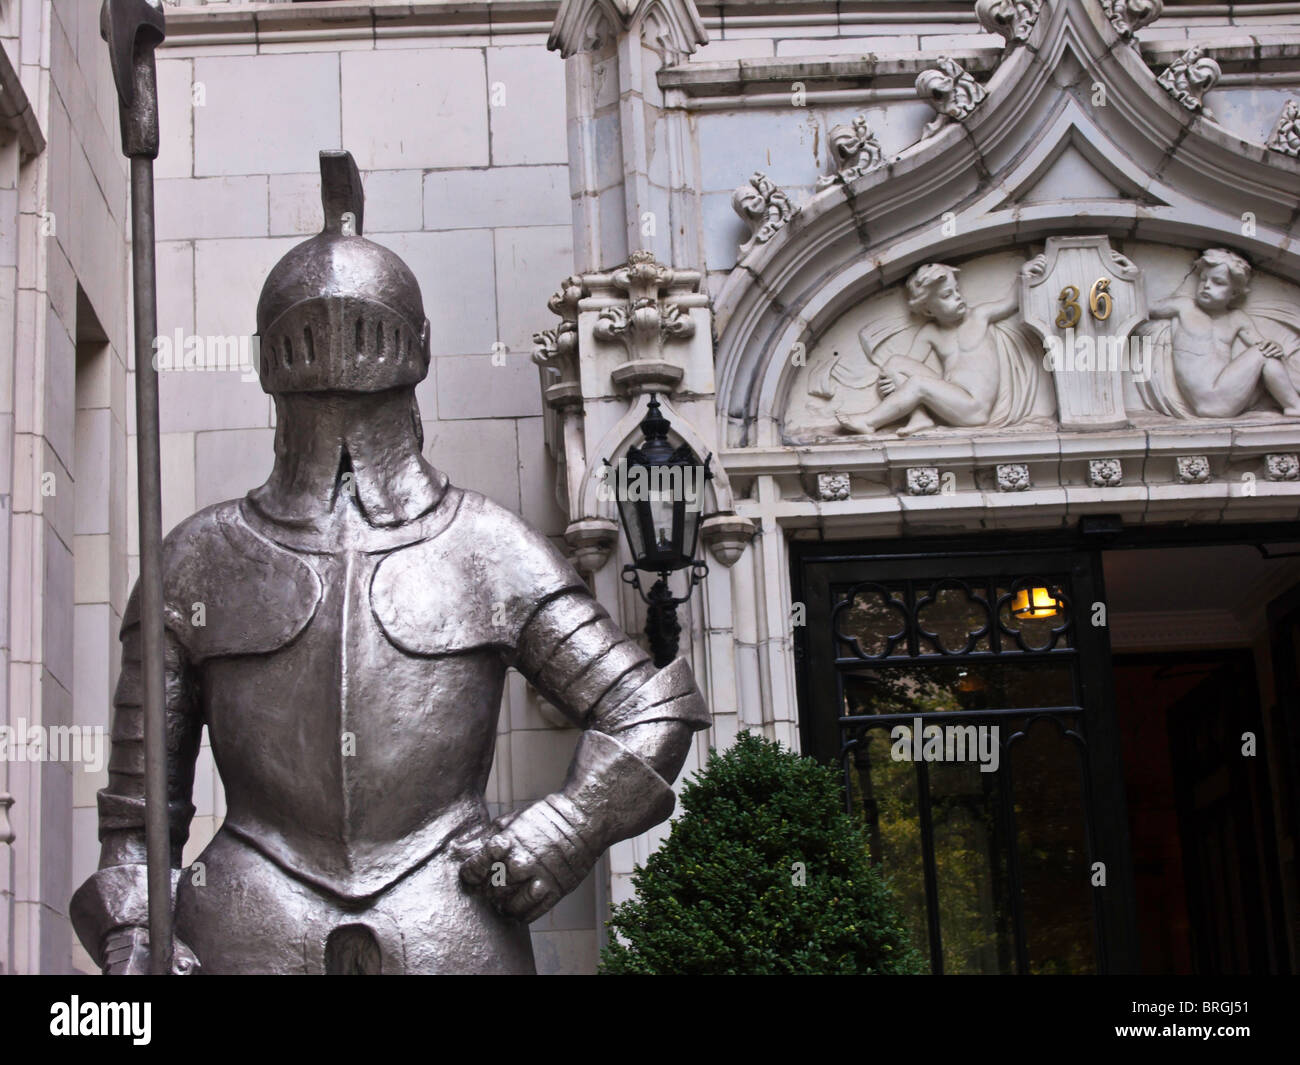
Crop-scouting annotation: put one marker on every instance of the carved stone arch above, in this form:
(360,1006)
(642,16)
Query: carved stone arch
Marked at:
(625,433)
(672,29)
(1179,178)
(668,26)
(585,26)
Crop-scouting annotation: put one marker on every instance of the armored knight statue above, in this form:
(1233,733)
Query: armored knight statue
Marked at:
(344,632)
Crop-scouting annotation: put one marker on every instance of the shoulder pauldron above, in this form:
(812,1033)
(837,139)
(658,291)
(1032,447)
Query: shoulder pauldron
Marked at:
(229,591)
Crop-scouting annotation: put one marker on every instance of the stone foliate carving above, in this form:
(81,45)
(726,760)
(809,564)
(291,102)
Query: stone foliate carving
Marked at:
(359,595)
(1285,137)
(556,350)
(832,487)
(1189,77)
(1105,473)
(951,91)
(646,321)
(764,207)
(856,152)
(1210,358)
(1129,16)
(960,367)
(1283,467)
(923,480)
(1012,19)
(1012,476)
(1193,469)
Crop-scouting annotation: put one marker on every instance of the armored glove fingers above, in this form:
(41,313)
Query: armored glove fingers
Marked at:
(526,862)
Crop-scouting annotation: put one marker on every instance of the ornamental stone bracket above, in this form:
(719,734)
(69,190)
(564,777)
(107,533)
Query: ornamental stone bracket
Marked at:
(642,328)
(652,312)
(555,351)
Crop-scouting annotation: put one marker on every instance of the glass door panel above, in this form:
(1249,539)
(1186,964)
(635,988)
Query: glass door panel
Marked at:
(960,696)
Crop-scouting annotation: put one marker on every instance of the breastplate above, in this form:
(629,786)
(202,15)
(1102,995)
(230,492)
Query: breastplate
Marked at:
(351,681)
(344,758)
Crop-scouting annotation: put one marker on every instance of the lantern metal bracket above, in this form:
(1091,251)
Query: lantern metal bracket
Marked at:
(662,628)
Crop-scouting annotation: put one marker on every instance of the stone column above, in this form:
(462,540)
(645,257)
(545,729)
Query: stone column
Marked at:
(636,322)
(631,161)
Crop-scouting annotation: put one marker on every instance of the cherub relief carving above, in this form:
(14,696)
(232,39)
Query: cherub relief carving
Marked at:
(960,368)
(1211,360)
(922,357)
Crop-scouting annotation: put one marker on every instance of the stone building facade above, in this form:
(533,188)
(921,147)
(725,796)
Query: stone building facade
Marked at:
(963,298)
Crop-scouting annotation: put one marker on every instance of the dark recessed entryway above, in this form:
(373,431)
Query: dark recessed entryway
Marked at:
(1205,748)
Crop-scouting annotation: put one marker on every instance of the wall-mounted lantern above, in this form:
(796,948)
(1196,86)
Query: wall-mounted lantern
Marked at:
(660,494)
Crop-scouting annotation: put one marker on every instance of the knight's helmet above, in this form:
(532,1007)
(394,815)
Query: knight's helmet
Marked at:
(340,313)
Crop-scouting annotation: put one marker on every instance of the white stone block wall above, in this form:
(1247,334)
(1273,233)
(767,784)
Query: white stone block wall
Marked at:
(64,443)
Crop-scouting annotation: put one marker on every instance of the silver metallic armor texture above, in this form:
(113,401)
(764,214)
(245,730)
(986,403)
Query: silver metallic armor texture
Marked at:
(344,633)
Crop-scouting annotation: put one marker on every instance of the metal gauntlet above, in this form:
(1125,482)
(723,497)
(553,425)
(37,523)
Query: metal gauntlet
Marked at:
(609,795)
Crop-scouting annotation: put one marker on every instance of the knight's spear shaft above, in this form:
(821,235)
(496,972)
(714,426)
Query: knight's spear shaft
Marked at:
(157,827)
(133,29)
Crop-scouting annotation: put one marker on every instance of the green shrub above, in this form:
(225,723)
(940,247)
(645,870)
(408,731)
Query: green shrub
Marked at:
(725,894)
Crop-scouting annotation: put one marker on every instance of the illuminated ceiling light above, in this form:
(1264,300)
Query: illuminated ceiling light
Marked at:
(1031,603)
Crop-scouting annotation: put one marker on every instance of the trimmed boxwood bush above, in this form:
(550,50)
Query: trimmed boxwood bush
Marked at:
(763,873)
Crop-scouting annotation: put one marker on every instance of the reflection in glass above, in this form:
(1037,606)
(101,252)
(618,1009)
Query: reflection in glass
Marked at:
(954,620)
(883,792)
(1053,849)
(969,822)
(975,916)
(958,685)
(875,618)
(1004,852)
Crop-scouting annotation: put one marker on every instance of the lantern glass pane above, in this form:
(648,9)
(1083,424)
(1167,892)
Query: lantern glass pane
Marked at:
(660,507)
(691,530)
(629,512)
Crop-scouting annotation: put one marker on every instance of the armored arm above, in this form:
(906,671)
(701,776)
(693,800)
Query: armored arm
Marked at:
(110,910)
(637,724)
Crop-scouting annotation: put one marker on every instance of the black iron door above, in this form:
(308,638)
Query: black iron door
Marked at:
(968,699)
